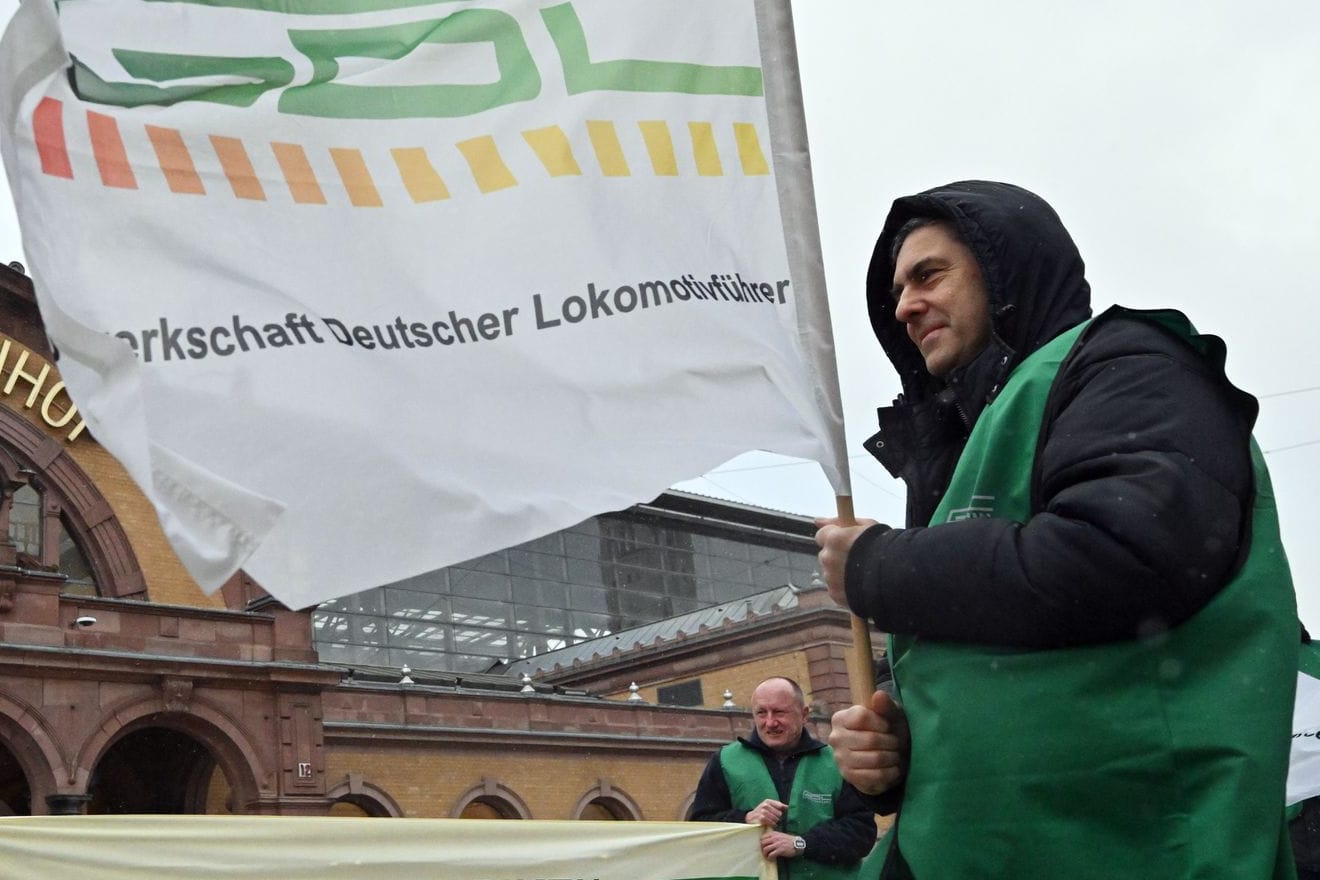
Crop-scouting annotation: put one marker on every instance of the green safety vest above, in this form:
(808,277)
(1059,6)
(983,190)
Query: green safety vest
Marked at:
(816,787)
(1162,757)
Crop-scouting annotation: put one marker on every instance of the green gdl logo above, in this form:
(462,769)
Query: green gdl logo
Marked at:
(519,77)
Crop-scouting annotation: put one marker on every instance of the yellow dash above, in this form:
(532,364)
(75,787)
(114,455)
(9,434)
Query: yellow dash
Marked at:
(749,149)
(175,160)
(660,146)
(609,152)
(553,149)
(423,182)
(237,167)
(298,174)
(704,149)
(488,168)
(357,180)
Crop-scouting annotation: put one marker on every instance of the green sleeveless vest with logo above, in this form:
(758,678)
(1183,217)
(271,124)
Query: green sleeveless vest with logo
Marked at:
(1160,758)
(816,786)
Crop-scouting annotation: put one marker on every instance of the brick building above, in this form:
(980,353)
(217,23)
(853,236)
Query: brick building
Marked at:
(586,675)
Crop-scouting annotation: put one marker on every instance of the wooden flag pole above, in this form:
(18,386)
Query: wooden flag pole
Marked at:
(863,675)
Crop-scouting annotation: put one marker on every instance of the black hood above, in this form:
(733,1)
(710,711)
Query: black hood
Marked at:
(1033,273)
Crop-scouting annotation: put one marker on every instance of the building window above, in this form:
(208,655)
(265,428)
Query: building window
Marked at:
(25,521)
(73,564)
(605,803)
(490,799)
(687,693)
(488,808)
(55,519)
(354,796)
(41,532)
(603,810)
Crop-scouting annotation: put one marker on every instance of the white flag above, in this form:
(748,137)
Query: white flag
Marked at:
(360,289)
(1304,761)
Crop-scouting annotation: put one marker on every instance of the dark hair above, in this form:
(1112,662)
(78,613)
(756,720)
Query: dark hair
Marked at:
(911,225)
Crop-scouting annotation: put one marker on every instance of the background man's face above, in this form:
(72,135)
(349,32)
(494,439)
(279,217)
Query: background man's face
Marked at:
(778,715)
(940,296)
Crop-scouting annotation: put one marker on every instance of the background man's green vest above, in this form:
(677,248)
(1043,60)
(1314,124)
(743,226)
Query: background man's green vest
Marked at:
(1163,757)
(816,786)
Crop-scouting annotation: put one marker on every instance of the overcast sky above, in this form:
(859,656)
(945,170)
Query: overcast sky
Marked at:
(1179,143)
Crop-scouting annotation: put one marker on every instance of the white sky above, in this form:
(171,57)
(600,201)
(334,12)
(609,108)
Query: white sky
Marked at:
(1179,142)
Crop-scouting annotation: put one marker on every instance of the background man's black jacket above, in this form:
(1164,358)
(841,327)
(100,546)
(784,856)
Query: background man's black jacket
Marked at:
(842,841)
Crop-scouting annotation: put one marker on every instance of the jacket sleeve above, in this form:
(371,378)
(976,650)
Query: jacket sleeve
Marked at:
(849,836)
(1142,486)
(713,803)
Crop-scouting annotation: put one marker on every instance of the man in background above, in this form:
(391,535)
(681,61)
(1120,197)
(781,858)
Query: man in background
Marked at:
(815,825)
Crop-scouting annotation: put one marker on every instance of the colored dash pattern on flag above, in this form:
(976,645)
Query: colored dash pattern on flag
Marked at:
(420,179)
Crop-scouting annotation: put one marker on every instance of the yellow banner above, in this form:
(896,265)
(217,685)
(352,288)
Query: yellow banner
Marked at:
(328,848)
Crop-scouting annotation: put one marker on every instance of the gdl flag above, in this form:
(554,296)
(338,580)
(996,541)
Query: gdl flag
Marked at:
(356,289)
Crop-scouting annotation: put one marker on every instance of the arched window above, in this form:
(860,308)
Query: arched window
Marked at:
(603,809)
(41,534)
(54,518)
(354,796)
(604,802)
(490,799)
(488,808)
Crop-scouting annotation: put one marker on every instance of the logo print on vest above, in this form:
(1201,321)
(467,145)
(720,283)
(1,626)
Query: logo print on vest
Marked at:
(981,506)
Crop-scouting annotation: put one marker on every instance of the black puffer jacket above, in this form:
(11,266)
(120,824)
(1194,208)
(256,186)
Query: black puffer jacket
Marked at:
(1142,484)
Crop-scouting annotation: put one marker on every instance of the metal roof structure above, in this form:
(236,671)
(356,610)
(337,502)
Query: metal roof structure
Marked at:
(660,632)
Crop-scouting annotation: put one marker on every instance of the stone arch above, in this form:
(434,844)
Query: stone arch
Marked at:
(90,517)
(34,746)
(494,794)
(367,796)
(209,725)
(615,802)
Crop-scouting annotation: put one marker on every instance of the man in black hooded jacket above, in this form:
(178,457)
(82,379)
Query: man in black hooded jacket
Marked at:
(1090,596)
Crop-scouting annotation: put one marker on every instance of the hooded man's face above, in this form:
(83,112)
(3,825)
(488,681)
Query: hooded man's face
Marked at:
(940,295)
